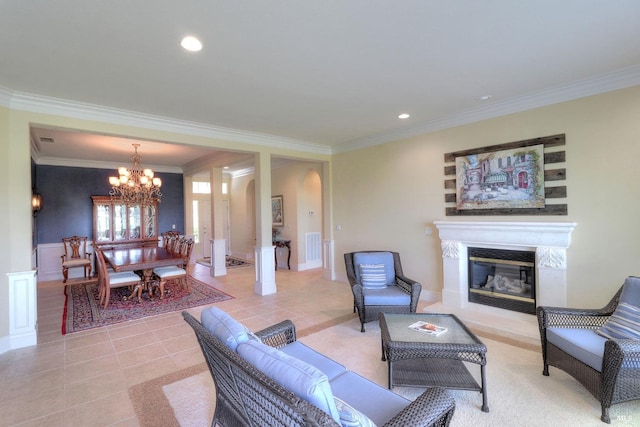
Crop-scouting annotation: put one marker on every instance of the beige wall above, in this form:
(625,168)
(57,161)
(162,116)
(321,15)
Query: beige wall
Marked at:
(299,185)
(385,196)
(5,227)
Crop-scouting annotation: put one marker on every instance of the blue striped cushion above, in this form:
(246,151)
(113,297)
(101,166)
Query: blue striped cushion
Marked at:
(625,320)
(624,323)
(373,275)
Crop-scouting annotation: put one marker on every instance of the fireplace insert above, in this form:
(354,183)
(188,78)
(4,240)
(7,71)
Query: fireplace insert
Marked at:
(503,278)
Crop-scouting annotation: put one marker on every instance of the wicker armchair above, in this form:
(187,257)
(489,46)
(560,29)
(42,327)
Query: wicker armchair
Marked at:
(618,380)
(247,397)
(363,297)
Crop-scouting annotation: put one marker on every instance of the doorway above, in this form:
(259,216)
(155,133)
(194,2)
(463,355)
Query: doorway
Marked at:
(201,225)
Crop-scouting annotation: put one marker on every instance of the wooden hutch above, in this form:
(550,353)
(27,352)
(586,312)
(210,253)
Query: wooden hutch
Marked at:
(117,225)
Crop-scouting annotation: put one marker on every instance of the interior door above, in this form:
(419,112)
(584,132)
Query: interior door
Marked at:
(205,226)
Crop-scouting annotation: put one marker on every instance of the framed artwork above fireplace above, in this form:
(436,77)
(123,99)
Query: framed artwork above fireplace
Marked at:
(511,178)
(515,178)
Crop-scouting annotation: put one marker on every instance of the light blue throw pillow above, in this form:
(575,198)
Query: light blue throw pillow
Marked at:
(624,323)
(224,327)
(350,416)
(300,378)
(373,276)
(373,258)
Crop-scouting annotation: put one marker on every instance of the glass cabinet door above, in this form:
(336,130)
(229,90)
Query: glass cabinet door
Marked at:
(150,226)
(103,223)
(119,222)
(134,222)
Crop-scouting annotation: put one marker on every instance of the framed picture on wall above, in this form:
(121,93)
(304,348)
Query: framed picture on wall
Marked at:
(506,179)
(277,211)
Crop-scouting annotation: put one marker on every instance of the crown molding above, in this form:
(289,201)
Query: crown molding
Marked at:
(603,83)
(48,105)
(96,164)
(5,97)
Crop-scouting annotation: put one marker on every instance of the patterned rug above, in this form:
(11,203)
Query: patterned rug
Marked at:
(230,262)
(82,311)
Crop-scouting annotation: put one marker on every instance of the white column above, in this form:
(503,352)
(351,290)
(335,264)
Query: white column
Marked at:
(328,272)
(265,271)
(23,309)
(218,257)
(264,251)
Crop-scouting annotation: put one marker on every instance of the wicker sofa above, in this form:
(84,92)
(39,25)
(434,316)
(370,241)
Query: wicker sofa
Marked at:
(608,368)
(270,378)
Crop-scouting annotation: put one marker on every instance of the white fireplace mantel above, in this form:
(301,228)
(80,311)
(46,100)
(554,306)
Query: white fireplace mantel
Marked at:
(549,240)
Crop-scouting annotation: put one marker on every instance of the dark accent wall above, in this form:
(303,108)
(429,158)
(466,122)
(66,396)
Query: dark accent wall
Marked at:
(67,209)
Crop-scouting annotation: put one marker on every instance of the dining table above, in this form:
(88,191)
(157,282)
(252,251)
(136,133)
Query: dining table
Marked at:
(143,259)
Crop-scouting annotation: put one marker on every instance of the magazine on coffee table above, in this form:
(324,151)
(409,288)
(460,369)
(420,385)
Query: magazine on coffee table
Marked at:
(427,328)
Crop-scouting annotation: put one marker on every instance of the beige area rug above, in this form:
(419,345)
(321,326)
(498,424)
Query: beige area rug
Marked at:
(518,393)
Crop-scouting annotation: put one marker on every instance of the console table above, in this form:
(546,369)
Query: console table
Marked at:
(279,243)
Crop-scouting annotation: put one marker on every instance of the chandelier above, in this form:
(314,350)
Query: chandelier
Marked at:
(135,186)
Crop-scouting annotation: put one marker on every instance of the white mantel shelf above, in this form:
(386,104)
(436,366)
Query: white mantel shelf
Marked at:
(533,234)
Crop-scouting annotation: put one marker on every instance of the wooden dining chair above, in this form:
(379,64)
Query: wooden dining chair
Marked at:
(109,279)
(178,272)
(75,255)
(169,238)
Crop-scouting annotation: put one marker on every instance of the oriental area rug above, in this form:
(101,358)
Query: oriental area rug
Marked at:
(82,310)
(230,262)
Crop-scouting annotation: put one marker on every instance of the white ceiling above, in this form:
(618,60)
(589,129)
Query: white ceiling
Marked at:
(332,73)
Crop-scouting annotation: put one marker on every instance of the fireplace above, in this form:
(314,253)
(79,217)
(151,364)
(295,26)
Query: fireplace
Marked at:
(502,278)
(548,240)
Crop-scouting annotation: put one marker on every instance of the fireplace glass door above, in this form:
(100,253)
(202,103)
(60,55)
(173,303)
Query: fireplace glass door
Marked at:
(503,278)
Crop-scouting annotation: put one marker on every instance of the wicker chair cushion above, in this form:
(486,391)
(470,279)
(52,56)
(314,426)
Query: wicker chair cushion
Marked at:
(301,351)
(389,295)
(583,344)
(350,416)
(372,258)
(624,323)
(224,327)
(365,396)
(297,376)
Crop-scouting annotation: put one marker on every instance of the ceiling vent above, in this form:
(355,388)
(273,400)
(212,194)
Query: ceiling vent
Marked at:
(46,139)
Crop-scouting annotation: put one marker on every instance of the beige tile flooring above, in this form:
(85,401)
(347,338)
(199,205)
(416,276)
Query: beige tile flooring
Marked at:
(81,379)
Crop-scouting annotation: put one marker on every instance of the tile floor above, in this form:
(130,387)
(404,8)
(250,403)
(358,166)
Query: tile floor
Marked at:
(81,379)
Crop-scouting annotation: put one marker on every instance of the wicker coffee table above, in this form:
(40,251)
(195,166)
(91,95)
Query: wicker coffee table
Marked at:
(417,358)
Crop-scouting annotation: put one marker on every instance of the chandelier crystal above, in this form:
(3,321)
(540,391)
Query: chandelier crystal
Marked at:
(135,186)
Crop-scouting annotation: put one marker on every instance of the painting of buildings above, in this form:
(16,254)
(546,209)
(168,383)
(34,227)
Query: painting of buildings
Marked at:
(501,179)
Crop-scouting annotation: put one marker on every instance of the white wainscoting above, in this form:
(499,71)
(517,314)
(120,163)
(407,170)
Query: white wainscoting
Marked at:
(23,311)
(50,264)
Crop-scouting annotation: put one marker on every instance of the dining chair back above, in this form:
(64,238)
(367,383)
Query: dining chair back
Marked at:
(75,255)
(109,279)
(179,272)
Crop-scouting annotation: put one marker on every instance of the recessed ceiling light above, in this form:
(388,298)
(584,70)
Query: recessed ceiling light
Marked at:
(484,98)
(191,43)
(404,116)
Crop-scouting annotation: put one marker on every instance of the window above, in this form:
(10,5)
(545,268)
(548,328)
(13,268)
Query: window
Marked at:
(201,187)
(196,222)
